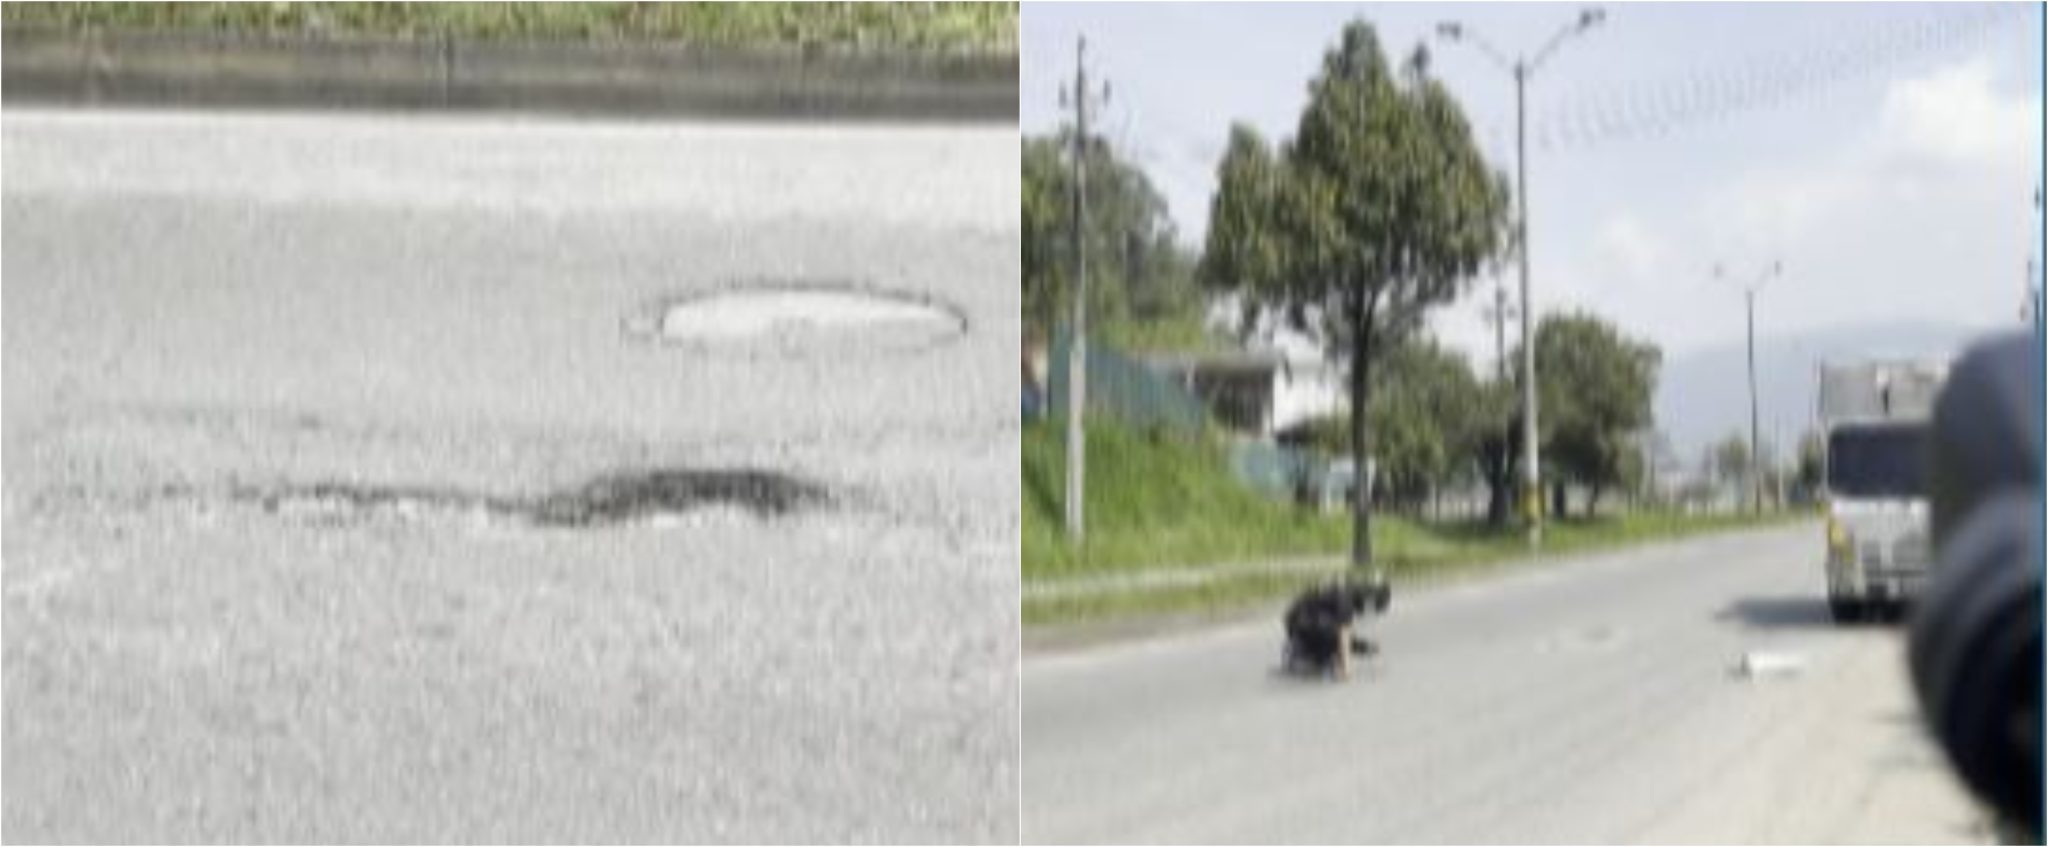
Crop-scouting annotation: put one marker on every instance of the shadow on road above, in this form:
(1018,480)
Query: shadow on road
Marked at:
(1801,612)
(1796,612)
(1285,675)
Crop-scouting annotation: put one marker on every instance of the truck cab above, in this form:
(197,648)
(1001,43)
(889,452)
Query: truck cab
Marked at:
(1875,416)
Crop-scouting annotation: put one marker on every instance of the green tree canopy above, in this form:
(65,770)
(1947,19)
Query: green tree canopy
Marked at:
(1428,412)
(1424,419)
(1812,453)
(1729,457)
(1595,386)
(1380,208)
(1137,271)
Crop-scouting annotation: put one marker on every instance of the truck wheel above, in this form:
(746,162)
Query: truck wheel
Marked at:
(1845,609)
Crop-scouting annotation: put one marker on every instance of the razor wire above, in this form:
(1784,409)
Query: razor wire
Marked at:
(1659,108)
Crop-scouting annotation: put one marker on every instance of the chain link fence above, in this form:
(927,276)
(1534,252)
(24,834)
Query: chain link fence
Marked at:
(1123,388)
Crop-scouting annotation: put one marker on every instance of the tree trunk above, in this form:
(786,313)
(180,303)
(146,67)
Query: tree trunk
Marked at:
(1361,367)
(1557,500)
(1499,475)
(1593,500)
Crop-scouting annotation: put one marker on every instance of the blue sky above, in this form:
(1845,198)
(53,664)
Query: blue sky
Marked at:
(1885,153)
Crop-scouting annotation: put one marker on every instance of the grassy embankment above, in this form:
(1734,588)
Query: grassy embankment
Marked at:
(935,26)
(1155,503)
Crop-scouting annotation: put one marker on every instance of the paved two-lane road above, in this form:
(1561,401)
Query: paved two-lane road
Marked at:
(1590,702)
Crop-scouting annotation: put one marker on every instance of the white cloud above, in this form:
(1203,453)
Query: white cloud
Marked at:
(1767,209)
(1630,249)
(1921,216)
(1918,212)
(1955,116)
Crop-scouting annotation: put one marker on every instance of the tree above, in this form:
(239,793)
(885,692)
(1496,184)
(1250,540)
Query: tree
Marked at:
(1497,443)
(1425,418)
(1380,208)
(1045,238)
(1729,457)
(1596,386)
(1632,472)
(1136,268)
(1659,454)
(1807,477)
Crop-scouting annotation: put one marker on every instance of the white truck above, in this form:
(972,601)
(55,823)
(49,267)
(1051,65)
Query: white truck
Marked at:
(1874,416)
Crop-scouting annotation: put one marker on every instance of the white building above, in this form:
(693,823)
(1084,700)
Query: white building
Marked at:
(1256,393)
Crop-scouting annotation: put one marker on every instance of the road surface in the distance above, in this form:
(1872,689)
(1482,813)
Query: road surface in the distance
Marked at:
(1590,702)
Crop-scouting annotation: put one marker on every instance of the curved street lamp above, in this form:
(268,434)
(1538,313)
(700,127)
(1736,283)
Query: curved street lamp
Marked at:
(1770,272)
(1521,69)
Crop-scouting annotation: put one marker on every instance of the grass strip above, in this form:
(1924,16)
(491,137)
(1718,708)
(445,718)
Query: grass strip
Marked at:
(921,26)
(1158,504)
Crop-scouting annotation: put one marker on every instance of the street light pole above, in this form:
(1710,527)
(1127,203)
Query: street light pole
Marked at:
(1532,481)
(1756,456)
(1521,69)
(1756,479)
(1499,313)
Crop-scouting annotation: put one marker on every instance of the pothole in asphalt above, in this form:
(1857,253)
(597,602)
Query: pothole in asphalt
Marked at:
(801,315)
(622,498)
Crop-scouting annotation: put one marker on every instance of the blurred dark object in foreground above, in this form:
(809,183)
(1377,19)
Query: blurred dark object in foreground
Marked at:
(1976,636)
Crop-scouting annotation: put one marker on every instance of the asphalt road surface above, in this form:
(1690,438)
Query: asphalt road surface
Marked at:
(1592,702)
(348,500)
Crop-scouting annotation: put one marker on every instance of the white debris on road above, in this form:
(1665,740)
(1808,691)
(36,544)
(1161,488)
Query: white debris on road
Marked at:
(1759,664)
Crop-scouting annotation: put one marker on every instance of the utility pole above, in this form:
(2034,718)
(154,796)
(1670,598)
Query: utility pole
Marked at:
(1521,69)
(1077,344)
(1756,456)
(1756,479)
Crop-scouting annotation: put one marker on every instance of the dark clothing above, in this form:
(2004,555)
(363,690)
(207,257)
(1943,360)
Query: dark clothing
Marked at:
(1321,610)
(1319,622)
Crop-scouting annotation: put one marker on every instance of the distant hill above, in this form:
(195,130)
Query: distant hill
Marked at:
(1704,395)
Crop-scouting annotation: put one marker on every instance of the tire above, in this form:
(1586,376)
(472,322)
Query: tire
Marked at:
(1845,609)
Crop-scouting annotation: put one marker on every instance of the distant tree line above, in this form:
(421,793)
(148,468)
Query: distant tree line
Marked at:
(1438,426)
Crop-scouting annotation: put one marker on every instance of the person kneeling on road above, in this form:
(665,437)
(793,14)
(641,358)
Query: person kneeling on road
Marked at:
(1321,623)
